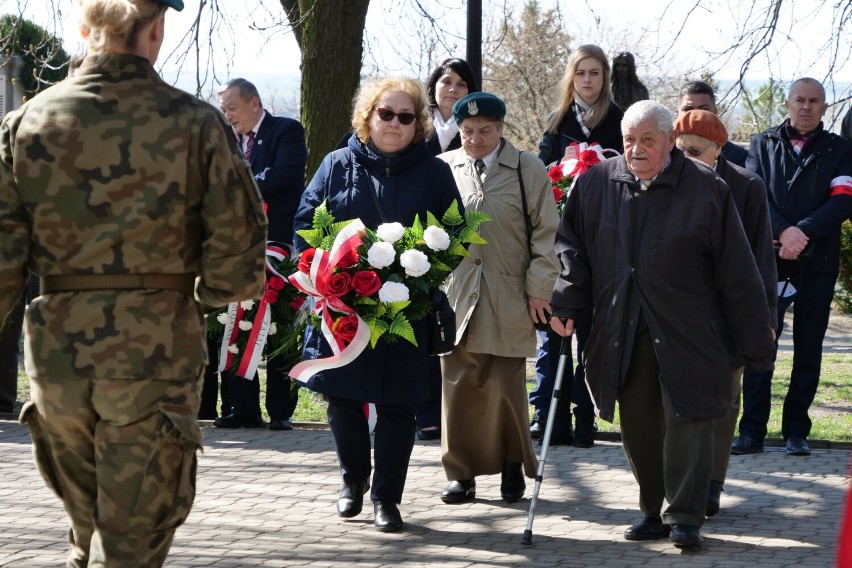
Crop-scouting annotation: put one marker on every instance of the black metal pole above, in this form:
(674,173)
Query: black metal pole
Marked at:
(474,38)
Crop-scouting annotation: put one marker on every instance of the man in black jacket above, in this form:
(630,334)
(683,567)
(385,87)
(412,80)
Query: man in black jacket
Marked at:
(808,176)
(275,149)
(651,241)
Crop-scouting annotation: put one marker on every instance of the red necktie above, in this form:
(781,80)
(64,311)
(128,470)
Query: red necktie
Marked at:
(249,146)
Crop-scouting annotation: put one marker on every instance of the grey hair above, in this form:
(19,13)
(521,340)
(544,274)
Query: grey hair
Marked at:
(245,88)
(644,110)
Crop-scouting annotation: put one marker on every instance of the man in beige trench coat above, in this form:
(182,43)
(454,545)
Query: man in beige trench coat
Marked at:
(499,293)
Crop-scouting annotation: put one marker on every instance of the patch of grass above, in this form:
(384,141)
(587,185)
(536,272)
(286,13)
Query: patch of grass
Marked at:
(831,411)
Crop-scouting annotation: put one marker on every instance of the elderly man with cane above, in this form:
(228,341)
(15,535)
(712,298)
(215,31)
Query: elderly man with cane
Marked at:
(652,242)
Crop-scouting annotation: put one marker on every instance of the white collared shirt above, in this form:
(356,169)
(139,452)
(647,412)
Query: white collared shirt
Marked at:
(256,129)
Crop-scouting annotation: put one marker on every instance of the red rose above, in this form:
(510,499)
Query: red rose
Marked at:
(270,296)
(344,328)
(339,284)
(558,194)
(588,158)
(297,302)
(305,260)
(275,283)
(349,259)
(366,282)
(555,173)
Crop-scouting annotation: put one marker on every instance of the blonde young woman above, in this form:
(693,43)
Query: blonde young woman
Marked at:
(585,112)
(90,170)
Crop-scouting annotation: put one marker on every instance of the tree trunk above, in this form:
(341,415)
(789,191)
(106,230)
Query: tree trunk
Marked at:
(330,35)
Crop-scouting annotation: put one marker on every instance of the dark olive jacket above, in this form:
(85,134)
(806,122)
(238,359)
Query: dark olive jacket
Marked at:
(677,256)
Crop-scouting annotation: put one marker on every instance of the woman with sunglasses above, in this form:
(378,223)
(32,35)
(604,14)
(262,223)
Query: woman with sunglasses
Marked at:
(701,135)
(585,112)
(384,174)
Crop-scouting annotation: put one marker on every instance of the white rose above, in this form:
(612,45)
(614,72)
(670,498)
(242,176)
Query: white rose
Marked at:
(245,325)
(222,318)
(393,292)
(381,255)
(232,348)
(414,262)
(247,304)
(273,329)
(390,232)
(436,238)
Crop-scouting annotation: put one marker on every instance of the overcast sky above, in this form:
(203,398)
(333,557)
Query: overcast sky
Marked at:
(271,58)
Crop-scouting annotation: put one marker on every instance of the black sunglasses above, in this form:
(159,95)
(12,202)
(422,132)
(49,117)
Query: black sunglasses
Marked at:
(387,115)
(695,152)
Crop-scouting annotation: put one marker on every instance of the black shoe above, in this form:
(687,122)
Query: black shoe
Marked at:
(387,517)
(649,528)
(536,429)
(714,498)
(285,424)
(584,434)
(234,421)
(685,536)
(797,446)
(431,434)
(459,491)
(512,485)
(351,499)
(746,445)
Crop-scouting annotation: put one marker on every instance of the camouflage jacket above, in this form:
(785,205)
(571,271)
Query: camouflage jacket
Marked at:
(114,171)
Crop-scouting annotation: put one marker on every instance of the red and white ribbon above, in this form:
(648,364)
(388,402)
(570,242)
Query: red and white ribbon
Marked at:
(226,358)
(576,166)
(253,351)
(316,284)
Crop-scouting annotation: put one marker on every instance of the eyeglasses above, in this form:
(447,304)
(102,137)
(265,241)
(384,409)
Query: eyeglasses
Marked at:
(386,115)
(695,152)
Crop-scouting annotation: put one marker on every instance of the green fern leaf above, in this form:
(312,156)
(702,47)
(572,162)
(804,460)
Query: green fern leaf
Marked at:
(402,327)
(452,217)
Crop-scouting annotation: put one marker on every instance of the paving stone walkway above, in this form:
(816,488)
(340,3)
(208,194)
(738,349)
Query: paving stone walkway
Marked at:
(267,499)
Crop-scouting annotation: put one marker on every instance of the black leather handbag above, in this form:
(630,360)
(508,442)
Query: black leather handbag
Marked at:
(442,325)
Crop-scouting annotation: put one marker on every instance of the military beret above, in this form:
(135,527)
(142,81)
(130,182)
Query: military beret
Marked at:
(702,123)
(176,4)
(479,104)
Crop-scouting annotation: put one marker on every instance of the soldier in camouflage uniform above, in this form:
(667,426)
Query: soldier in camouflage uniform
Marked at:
(130,200)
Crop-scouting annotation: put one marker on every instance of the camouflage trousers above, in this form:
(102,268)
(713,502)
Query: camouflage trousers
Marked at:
(121,456)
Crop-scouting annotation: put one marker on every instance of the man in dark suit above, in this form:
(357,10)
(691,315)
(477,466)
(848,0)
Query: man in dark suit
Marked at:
(275,149)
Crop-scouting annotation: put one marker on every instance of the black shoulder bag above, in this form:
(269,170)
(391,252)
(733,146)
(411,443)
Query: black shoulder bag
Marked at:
(442,317)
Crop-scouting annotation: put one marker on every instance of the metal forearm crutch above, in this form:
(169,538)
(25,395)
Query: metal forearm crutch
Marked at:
(565,360)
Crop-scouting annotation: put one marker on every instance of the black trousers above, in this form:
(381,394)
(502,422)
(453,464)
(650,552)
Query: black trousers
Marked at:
(211,388)
(10,334)
(242,396)
(394,440)
(428,412)
(671,459)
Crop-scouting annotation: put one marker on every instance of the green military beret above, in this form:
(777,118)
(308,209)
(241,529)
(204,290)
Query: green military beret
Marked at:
(479,104)
(176,4)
